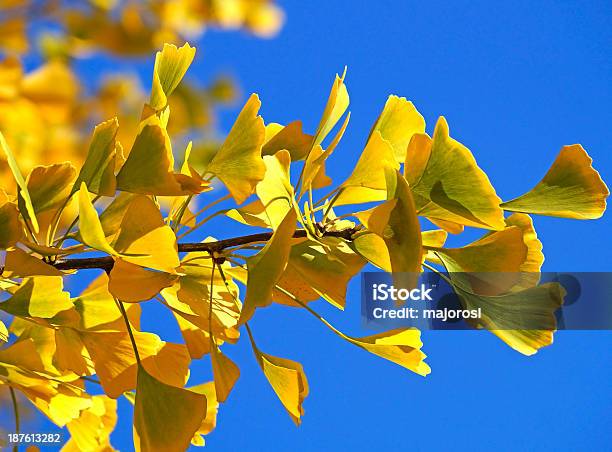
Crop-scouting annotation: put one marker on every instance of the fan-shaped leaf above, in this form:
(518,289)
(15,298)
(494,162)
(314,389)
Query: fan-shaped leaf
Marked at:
(158,406)
(397,123)
(238,163)
(571,188)
(451,186)
(98,171)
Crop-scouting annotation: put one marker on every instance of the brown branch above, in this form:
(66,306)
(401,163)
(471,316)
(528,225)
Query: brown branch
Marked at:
(106,263)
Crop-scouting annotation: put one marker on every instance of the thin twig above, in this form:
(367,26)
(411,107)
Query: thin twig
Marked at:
(106,263)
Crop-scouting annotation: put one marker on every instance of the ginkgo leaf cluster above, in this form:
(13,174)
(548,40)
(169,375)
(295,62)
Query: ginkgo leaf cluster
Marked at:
(305,239)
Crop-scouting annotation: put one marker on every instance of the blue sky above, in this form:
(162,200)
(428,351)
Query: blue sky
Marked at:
(516,81)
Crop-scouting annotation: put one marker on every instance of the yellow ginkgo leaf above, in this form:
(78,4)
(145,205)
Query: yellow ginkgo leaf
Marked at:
(401,229)
(149,168)
(144,239)
(500,251)
(275,190)
(19,264)
(112,215)
(61,405)
(252,214)
(367,181)
(90,229)
(212,407)
(41,296)
(373,247)
(535,258)
(171,64)
(320,270)
(434,238)
(523,319)
(190,296)
(402,347)
(98,311)
(500,261)
(451,186)
(196,339)
(92,429)
(98,171)
(337,103)
(313,174)
(397,123)
(10,227)
(448,226)
(53,87)
(571,188)
(290,138)
(418,153)
(28,211)
(266,267)
(238,163)
(225,372)
(288,380)
(132,283)
(159,405)
(116,365)
(49,186)
(70,353)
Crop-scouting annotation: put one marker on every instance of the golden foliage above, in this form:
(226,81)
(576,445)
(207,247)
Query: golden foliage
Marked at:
(118,192)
